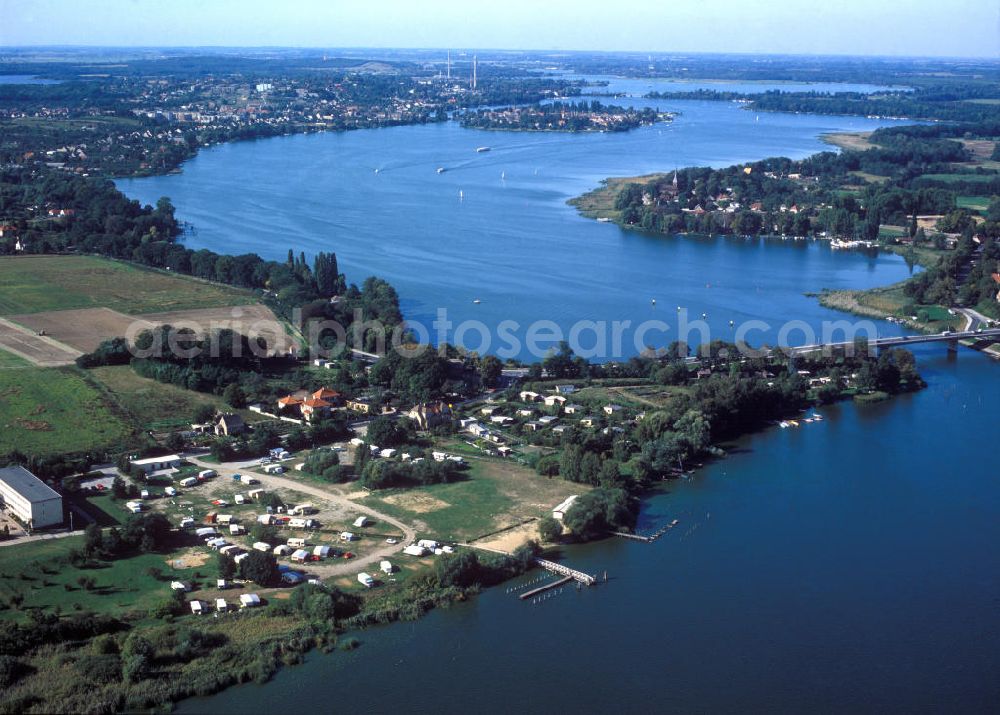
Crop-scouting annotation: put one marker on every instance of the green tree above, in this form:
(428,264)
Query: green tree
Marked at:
(550,529)
(490,369)
(203,414)
(259,567)
(234,396)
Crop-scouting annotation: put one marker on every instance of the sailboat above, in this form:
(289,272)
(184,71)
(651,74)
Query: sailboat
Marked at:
(461,194)
(503,175)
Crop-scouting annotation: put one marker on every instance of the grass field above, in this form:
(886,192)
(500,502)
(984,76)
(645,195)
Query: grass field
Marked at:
(976,203)
(600,203)
(854,141)
(53,410)
(870,178)
(881,302)
(151,405)
(32,284)
(496,494)
(32,571)
(952,178)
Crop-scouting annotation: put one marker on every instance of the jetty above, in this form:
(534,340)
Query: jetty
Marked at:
(542,589)
(647,538)
(584,578)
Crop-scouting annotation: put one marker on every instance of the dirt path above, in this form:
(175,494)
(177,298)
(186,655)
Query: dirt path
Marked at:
(327,569)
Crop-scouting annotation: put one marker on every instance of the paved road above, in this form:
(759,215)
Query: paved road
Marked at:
(975,318)
(325,568)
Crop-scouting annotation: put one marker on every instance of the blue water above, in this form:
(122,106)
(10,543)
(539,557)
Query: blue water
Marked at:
(496,227)
(637,87)
(845,566)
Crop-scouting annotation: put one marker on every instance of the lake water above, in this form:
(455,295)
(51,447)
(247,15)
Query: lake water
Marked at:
(849,565)
(495,226)
(636,87)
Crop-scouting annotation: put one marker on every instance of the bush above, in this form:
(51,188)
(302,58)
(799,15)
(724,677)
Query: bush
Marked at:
(550,529)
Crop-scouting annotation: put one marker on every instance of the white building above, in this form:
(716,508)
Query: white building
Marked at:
(560,511)
(155,464)
(29,498)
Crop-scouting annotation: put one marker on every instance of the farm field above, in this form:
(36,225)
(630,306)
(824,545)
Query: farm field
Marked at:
(53,410)
(975,203)
(39,350)
(81,328)
(33,284)
(951,178)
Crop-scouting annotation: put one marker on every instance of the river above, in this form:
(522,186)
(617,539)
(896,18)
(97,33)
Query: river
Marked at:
(841,566)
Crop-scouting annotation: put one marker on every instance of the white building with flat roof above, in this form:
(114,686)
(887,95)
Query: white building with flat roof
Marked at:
(29,498)
(155,464)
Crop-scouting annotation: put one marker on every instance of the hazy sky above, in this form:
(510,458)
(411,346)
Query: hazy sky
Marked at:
(897,27)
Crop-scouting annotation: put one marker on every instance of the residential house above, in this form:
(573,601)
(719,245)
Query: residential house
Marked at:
(230,424)
(572,408)
(360,404)
(554,400)
(529,396)
(430,415)
(612,409)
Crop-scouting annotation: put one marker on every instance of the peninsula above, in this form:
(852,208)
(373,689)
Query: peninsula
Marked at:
(564,117)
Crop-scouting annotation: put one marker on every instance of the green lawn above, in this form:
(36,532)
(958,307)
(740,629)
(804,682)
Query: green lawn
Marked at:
(33,284)
(34,570)
(496,494)
(53,410)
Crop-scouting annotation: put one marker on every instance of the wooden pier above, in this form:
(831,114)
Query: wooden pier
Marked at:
(649,538)
(546,587)
(580,576)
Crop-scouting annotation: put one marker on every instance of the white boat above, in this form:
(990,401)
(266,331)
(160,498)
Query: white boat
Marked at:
(653,301)
(440,170)
(481,149)
(461,194)
(477,301)
(503,175)
(783,424)
(376,171)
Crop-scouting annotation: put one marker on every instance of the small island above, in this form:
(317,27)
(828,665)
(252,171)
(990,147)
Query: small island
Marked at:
(564,117)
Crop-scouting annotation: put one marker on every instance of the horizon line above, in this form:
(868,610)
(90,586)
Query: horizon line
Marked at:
(992,58)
